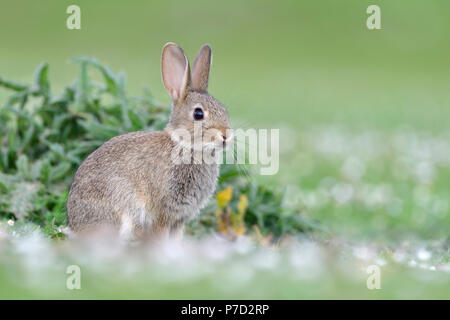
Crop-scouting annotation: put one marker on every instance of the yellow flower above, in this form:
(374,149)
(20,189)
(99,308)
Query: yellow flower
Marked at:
(224,196)
(242,205)
(239,229)
(237,218)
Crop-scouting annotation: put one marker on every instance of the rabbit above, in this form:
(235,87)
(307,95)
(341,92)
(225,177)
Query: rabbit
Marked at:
(132,184)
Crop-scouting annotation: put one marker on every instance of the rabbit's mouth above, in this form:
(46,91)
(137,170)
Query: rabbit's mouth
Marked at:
(217,145)
(222,139)
(217,138)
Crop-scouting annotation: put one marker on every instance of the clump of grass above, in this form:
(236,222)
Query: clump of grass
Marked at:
(45,137)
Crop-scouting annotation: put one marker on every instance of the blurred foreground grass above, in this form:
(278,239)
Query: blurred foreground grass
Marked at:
(214,268)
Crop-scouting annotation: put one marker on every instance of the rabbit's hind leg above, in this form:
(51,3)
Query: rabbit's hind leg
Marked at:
(87,215)
(159,228)
(126,231)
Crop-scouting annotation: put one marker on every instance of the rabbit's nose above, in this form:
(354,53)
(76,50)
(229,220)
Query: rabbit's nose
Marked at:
(224,136)
(221,135)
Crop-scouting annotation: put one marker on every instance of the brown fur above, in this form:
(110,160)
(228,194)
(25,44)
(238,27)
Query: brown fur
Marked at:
(131,184)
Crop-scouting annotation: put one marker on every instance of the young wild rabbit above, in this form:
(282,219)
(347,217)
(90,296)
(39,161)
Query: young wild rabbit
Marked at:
(133,184)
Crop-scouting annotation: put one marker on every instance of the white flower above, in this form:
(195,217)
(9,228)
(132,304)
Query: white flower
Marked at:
(353,168)
(412,263)
(380,261)
(11,222)
(342,193)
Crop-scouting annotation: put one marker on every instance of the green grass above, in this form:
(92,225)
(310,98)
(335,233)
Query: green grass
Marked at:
(363,197)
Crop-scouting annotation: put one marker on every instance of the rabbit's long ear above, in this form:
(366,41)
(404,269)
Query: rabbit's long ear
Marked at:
(175,71)
(200,69)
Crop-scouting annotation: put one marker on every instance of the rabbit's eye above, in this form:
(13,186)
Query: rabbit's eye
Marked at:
(198,114)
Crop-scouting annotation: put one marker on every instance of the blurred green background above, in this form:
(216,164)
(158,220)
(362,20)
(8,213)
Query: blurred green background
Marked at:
(294,65)
(295,62)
